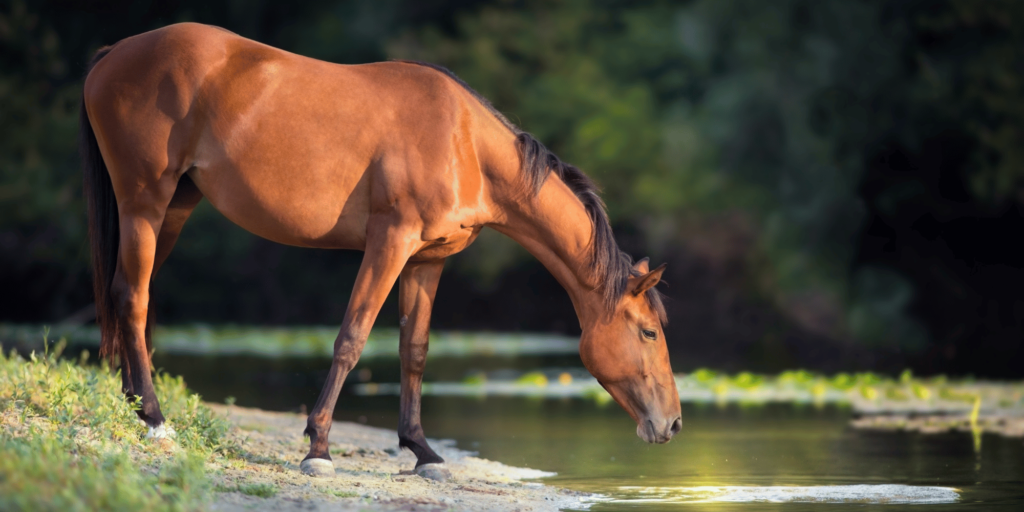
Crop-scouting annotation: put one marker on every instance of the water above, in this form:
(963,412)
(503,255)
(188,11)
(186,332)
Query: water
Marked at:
(770,457)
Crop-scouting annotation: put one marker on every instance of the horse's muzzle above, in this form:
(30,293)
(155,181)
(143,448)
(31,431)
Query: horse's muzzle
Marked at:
(659,431)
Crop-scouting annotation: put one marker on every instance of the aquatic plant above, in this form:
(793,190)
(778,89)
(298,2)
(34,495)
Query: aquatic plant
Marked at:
(865,392)
(533,378)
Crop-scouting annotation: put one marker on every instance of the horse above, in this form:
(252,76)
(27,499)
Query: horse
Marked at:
(401,160)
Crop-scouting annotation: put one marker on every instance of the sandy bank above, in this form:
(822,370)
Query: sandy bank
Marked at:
(368,473)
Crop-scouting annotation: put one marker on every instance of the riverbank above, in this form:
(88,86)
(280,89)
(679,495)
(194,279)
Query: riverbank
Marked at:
(69,441)
(369,473)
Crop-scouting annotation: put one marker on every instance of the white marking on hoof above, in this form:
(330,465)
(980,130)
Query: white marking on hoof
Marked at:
(162,431)
(435,471)
(317,467)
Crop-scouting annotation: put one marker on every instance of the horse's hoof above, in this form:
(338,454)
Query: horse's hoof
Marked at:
(161,431)
(433,472)
(317,467)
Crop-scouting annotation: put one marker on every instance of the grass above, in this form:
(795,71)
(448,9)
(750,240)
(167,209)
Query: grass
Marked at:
(70,441)
(343,494)
(259,490)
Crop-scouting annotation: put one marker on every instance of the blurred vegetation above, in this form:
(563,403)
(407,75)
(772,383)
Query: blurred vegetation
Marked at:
(865,392)
(299,341)
(817,173)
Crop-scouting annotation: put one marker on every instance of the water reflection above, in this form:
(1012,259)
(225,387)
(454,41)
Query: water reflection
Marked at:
(863,494)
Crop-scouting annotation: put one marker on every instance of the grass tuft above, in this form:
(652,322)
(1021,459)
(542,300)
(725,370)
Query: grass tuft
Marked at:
(260,490)
(69,440)
(343,494)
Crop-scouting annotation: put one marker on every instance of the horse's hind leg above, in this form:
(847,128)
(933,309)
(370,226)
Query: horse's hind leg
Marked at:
(186,197)
(141,217)
(415,301)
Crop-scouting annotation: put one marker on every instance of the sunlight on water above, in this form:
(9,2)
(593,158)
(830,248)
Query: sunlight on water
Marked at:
(866,494)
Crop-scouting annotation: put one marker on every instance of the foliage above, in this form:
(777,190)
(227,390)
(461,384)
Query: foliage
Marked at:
(828,133)
(299,341)
(70,441)
(690,110)
(41,228)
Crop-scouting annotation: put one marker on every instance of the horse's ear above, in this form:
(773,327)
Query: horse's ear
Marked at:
(642,266)
(642,283)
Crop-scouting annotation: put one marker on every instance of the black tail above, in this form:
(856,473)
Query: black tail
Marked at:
(104,226)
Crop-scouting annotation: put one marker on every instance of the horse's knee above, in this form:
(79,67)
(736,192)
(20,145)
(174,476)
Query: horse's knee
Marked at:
(414,368)
(414,358)
(347,349)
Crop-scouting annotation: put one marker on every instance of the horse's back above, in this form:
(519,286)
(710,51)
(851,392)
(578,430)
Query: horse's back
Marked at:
(293,149)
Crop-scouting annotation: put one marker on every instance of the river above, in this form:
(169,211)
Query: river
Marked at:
(732,457)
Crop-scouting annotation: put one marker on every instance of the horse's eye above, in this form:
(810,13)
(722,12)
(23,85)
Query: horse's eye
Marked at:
(651,335)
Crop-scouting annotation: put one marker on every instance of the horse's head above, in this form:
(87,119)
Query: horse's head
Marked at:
(626,352)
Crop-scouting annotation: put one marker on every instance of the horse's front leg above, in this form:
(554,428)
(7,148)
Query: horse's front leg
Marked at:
(388,247)
(415,301)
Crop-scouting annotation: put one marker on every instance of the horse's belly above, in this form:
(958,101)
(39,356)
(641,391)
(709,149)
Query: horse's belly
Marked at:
(303,213)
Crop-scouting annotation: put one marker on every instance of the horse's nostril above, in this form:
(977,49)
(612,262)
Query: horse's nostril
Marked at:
(677,425)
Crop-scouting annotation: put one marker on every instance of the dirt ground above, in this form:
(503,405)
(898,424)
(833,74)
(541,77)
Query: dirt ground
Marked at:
(368,473)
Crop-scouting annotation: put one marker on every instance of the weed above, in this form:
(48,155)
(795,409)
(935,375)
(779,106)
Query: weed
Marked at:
(69,440)
(344,494)
(260,490)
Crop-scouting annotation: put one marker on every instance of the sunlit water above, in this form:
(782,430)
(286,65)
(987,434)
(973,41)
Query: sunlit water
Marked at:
(778,457)
(862,494)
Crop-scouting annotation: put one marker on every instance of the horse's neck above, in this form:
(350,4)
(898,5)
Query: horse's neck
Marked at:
(554,226)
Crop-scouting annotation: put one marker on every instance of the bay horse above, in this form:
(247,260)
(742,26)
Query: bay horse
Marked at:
(401,160)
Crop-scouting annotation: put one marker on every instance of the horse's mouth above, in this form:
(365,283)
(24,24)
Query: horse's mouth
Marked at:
(647,431)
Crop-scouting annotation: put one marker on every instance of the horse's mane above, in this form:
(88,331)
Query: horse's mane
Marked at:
(608,262)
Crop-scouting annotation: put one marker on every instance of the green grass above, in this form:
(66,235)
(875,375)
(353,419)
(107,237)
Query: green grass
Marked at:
(260,490)
(343,494)
(70,441)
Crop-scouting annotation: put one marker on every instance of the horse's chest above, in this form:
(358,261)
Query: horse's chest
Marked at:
(447,245)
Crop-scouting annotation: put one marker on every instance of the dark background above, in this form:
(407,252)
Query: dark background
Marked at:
(834,184)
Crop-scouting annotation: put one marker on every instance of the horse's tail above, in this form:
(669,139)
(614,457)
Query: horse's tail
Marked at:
(104,225)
